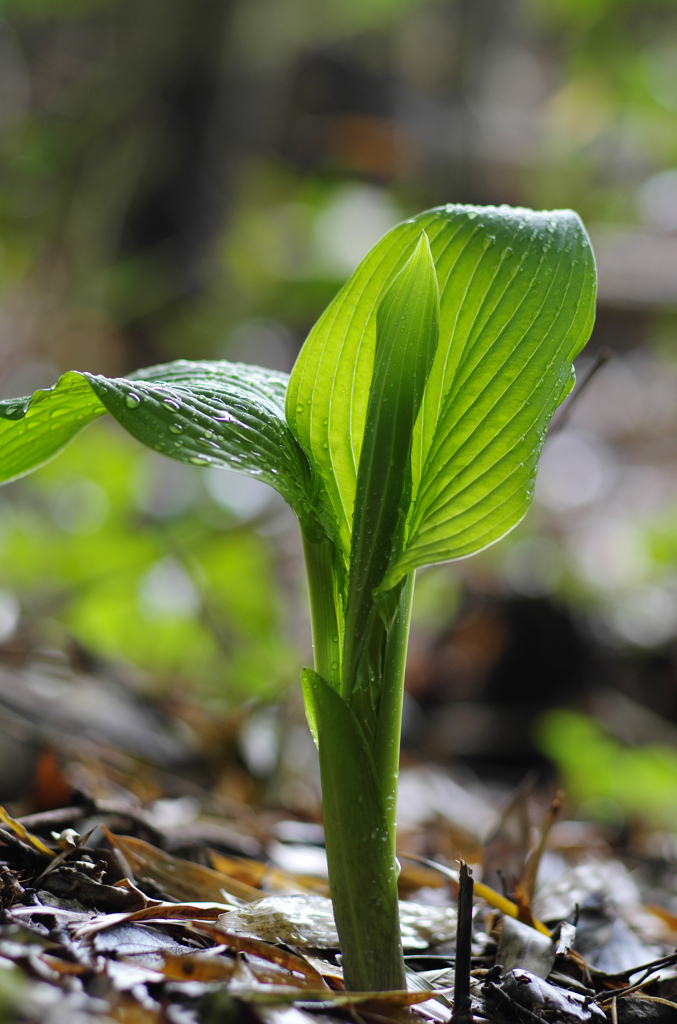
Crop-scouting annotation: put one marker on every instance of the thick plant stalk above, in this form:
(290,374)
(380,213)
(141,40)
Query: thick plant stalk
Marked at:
(363,889)
(362,867)
(359,794)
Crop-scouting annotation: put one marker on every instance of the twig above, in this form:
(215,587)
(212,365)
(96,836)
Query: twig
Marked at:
(528,881)
(485,892)
(649,968)
(462,1014)
(646,971)
(603,356)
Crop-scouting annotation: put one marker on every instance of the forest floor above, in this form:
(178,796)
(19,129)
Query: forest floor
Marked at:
(146,879)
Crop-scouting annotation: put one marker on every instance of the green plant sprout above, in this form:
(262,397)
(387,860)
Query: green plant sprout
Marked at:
(408,433)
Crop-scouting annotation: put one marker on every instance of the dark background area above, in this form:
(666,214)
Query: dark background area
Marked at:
(195,179)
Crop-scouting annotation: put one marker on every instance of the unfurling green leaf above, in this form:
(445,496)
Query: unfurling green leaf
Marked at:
(407,331)
(329,385)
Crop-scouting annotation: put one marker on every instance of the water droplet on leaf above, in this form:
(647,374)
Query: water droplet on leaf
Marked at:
(132,401)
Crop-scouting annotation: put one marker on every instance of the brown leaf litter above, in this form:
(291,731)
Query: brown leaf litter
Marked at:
(99,923)
(147,889)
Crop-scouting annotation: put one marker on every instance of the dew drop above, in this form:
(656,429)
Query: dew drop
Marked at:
(173,403)
(175,428)
(199,460)
(132,401)
(300,408)
(334,666)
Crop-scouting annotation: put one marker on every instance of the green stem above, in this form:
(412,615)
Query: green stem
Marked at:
(325,607)
(362,868)
(363,884)
(359,782)
(389,727)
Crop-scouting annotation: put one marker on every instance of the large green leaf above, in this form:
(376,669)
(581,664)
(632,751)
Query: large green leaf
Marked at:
(517,291)
(227,415)
(518,305)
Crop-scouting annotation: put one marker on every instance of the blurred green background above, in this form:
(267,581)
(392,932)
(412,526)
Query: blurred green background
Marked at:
(195,179)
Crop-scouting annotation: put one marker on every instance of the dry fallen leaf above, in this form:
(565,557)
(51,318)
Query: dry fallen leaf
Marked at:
(181,879)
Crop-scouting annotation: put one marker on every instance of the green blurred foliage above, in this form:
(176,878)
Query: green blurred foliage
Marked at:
(195,178)
(166,165)
(607,778)
(610,123)
(132,555)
